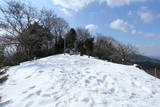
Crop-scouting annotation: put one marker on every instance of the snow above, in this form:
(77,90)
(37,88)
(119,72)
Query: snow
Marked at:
(78,81)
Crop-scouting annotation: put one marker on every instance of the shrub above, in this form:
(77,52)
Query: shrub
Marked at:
(3,77)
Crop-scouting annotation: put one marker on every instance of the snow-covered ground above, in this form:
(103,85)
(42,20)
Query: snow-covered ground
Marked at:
(75,81)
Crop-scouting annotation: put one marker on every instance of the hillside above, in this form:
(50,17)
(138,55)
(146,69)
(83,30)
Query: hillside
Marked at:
(76,81)
(146,62)
(155,57)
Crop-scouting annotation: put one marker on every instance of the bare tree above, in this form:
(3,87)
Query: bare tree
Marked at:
(16,16)
(104,47)
(125,51)
(48,19)
(83,34)
(61,27)
(56,25)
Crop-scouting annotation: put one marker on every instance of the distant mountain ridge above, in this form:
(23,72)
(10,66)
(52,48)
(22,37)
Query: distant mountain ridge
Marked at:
(155,57)
(145,61)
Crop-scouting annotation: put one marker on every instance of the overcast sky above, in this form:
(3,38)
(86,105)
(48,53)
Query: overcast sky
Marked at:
(130,21)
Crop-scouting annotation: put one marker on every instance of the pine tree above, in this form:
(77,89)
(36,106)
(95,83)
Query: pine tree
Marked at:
(88,44)
(71,38)
(59,46)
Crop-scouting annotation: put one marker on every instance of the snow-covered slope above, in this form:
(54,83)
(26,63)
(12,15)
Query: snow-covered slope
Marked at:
(75,81)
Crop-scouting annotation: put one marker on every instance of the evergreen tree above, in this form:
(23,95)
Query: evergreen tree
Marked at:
(88,44)
(71,38)
(2,57)
(81,47)
(59,46)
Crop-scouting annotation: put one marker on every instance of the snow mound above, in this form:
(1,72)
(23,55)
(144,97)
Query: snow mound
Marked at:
(76,81)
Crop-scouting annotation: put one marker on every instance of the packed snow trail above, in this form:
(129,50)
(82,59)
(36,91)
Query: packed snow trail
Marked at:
(76,81)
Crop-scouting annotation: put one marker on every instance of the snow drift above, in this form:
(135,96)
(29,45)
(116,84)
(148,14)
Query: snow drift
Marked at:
(76,81)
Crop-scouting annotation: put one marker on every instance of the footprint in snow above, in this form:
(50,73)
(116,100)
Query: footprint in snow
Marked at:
(38,92)
(28,77)
(57,97)
(98,74)
(46,95)
(87,82)
(133,95)
(86,100)
(28,96)
(32,87)
(29,104)
(99,81)
(86,68)
(87,72)
(82,75)
(111,91)
(40,71)
(24,92)
(104,77)
(4,103)
(91,77)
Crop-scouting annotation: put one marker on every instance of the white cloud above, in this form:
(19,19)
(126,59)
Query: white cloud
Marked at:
(146,15)
(79,4)
(117,3)
(148,35)
(91,27)
(66,12)
(120,24)
(124,26)
(73,4)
